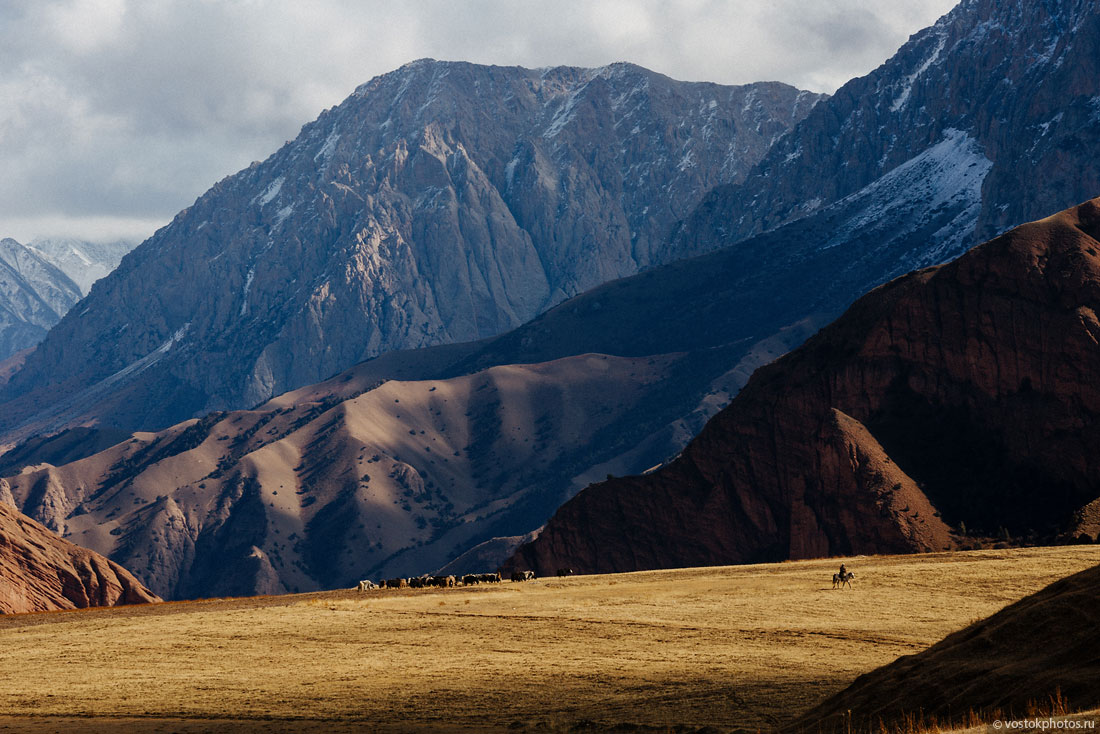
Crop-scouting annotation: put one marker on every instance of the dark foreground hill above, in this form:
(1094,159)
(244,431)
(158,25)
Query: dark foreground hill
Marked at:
(39,571)
(957,395)
(1045,647)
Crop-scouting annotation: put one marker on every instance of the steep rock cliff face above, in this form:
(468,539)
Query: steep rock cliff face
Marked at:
(440,203)
(40,572)
(1020,79)
(888,176)
(962,393)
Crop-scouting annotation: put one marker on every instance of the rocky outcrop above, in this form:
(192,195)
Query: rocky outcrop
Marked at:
(34,295)
(443,202)
(1012,665)
(40,572)
(937,399)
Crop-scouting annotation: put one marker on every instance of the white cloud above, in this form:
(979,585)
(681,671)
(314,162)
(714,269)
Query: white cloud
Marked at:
(84,26)
(115,111)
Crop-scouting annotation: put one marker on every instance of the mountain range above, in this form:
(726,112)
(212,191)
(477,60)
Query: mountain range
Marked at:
(938,404)
(326,485)
(513,228)
(1018,79)
(83,261)
(40,282)
(576,177)
(34,295)
(441,203)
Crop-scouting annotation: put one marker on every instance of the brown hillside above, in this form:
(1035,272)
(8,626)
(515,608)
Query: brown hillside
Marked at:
(1043,646)
(40,572)
(351,479)
(965,391)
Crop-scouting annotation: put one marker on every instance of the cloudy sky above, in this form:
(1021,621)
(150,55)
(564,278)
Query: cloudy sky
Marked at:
(116,114)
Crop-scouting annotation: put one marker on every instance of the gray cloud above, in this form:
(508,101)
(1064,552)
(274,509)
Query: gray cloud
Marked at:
(115,114)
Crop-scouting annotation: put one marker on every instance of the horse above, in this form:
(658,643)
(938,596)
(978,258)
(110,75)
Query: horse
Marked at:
(839,582)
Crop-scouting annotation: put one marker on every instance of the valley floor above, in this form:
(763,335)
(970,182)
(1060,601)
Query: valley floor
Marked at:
(730,647)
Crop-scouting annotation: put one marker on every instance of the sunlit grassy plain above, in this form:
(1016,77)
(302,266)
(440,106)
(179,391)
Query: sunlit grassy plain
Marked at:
(730,647)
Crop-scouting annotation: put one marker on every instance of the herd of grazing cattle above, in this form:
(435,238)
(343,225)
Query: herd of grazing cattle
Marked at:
(446,582)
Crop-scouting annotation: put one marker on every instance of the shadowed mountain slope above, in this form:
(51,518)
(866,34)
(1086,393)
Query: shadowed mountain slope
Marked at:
(942,397)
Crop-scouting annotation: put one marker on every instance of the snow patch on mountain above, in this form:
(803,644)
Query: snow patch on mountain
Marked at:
(907,84)
(329,147)
(1052,121)
(63,412)
(140,365)
(944,179)
(83,261)
(81,256)
(270,192)
(563,116)
(34,295)
(247,286)
(282,214)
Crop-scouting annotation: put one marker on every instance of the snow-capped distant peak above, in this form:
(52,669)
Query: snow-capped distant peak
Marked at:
(83,261)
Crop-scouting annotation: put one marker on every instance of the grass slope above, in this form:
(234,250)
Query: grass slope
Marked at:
(728,647)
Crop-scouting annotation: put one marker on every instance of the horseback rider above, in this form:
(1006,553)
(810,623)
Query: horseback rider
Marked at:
(843,572)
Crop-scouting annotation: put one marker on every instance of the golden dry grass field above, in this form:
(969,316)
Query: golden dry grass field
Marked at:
(730,647)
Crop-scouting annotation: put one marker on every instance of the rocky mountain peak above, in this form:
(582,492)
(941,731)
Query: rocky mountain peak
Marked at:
(83,261)
(34,295)
(1018,78)
(442,202)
